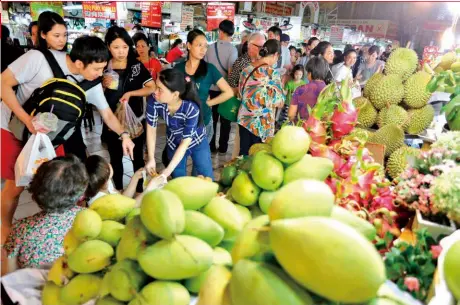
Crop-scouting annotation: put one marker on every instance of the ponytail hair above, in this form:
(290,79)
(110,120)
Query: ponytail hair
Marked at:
(202,69)
(271,47)
(176,80)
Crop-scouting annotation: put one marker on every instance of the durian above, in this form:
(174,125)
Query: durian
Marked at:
(389,90)
(366,112)
(398,160)
(420,119)
(371,83)
(395,115)
(415,93)
(402,62)
(392,136)
(381,116)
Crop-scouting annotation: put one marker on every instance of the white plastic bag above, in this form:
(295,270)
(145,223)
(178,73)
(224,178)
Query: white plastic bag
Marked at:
(37,150)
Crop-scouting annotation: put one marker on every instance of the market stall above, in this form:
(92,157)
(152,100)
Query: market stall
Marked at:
(329,194)
(358,204)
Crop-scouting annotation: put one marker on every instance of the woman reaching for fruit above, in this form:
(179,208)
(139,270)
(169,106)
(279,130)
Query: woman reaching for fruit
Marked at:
(176,101)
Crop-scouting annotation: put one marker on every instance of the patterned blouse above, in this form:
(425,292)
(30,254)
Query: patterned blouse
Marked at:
(261,94)
(37,240)
(238,66)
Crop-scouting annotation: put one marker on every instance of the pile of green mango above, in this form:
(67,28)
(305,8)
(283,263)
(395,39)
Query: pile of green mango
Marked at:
(275,238)
(157,254)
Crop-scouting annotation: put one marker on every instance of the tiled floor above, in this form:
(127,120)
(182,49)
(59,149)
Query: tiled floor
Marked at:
(93,142)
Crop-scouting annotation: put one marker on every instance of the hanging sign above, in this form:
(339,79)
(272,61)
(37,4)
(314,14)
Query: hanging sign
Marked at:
(336,34)
(276,9)
(187,17)
(36,8)
(166,7)
(176,11)
(151,14)
(217,12)
(101,11)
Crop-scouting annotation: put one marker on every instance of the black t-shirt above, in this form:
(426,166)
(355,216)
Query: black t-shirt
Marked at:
(132,78)
(9,54)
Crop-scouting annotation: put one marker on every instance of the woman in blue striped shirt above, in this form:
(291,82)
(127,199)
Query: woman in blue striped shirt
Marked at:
(176,101)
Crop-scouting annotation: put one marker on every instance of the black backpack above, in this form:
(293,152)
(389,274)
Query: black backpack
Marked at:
(66,98)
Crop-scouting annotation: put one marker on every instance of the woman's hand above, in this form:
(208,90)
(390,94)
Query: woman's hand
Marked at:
(208,102)
(150,167)
(125,98)
(156,183)
(138,174)
(106,81)
(30,126)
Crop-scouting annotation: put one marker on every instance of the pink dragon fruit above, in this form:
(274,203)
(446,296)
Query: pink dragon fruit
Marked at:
(324,151)
(345,170)
(344,119)
(316,130)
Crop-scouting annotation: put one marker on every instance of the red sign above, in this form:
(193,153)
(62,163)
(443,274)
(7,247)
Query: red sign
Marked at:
(216,13)
(277,9)
(151,14)
(102,11)
(439,26)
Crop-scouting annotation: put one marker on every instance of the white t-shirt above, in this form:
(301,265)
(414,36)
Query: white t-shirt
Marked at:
(227,56)
(286,57)
(110,190)
(341,72)
(31,70)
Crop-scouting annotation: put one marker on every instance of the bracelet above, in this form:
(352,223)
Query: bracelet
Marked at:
(123,133)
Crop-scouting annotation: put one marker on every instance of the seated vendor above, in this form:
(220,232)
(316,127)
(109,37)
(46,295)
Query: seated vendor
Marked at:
(37,241)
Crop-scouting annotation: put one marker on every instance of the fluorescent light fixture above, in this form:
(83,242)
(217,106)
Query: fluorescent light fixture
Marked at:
(73,7)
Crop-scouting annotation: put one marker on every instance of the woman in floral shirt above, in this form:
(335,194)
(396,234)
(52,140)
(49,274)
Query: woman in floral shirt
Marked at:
(36,241)
(261,91)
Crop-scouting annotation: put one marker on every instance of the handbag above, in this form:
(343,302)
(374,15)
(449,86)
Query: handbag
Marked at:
(228,109)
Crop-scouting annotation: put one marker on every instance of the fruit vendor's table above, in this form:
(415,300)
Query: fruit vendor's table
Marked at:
(24,286)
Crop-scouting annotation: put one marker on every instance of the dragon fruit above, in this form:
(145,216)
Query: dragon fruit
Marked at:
(316,130)
(324,151)
(345,115)
(344,119)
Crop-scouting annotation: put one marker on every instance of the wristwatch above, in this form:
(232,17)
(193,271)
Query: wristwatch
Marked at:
(123,133)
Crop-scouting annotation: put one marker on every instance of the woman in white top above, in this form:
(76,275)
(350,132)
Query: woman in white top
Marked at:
(343,69)
(371,66)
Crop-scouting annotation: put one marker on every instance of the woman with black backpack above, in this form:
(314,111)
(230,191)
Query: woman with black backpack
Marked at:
(134,82)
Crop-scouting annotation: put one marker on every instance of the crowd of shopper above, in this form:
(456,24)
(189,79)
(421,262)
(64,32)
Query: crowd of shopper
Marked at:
(274,82)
